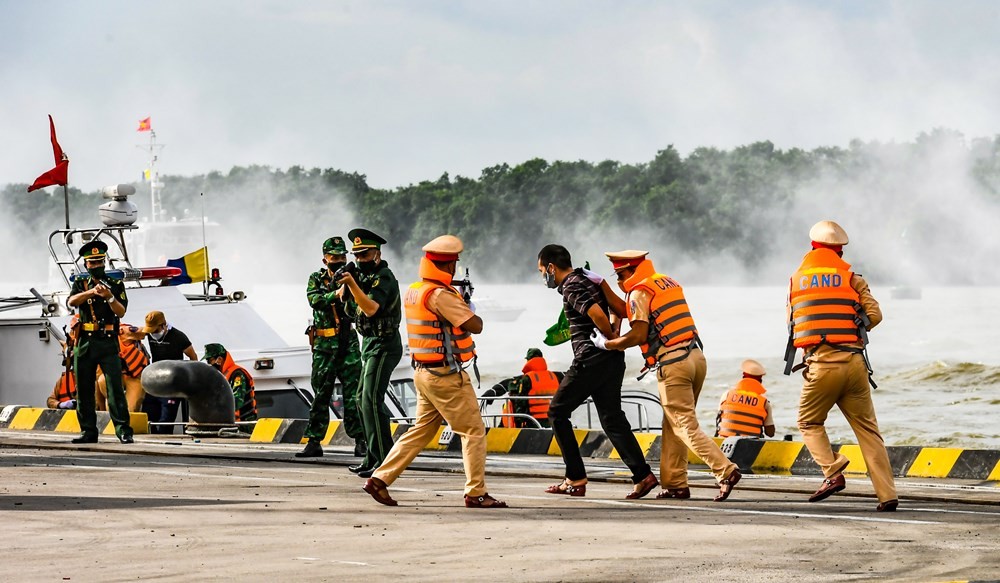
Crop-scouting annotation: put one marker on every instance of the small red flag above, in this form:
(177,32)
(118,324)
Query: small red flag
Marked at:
(145,125)
(57,175)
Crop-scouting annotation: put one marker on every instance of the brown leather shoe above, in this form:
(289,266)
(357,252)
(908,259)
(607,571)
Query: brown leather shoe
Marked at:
(726,485)
(830,487)
(678,493)
(484,501)
(645,486)
(887,506)
(379,491)
(569,489)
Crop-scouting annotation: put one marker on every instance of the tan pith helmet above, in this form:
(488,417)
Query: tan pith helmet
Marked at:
(752,367)
(828,233)
(627,258)
(443,248)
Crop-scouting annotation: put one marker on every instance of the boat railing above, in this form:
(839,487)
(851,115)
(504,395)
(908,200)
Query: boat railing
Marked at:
(67,259)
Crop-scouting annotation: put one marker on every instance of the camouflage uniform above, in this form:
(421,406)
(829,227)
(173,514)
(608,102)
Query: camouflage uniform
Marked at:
(333,357)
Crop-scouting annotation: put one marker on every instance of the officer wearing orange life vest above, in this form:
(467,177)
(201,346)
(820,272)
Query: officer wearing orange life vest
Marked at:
(830,310)
(744,410)
(440,326)
(536,381)
(662,326)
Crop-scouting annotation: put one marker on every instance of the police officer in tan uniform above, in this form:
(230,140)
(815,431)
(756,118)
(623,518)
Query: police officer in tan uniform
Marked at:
(439,326)
(836,368)
(680,371)
(752,382)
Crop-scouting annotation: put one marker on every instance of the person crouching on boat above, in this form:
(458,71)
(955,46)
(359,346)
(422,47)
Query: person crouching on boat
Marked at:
(101,302)
(744,410)
(244,397)
(134,360)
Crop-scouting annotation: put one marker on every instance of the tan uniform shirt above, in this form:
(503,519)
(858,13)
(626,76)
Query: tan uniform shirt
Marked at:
(827,353)
(449,306)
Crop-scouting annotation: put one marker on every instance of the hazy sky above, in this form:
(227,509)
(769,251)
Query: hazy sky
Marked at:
(403,91)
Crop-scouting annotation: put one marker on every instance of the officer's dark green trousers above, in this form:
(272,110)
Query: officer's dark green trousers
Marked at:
(90,353)
(327,367)
(379,355)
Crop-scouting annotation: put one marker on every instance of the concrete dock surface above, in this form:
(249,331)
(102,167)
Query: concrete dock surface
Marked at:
(172,508)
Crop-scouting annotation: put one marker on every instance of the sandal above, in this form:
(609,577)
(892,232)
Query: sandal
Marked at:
(678,493)
(379,491)
(484,501)
(726,485)
(565,487)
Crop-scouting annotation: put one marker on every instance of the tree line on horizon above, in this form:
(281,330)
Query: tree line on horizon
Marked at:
(712,201)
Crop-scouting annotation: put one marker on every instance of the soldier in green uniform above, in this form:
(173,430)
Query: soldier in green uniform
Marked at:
(374,305)
(336,354)
(101,303)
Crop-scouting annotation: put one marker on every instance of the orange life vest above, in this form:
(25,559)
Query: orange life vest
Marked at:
(433,341)
(246,411)
(66,389)
(670,318)
(543,383)
(743,411)
(824,306)
(133,355)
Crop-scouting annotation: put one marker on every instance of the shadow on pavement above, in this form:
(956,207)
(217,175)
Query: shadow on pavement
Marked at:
(60,503)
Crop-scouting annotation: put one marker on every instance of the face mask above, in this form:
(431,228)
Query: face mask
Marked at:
(366,267)
(158,335)
(334,266)
(218,366)
(550,280)
(96,272)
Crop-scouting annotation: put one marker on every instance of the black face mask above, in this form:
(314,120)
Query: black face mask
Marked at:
(367,267)
(96,272)
(550,280)
(335,265)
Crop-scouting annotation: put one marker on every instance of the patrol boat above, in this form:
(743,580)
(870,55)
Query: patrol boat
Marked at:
(33,324)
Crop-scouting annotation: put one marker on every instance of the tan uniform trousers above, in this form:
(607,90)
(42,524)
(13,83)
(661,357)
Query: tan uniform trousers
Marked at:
(450,398)
(844,384)
(679,385)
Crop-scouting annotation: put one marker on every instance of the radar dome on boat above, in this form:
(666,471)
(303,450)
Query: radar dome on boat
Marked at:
(118,211)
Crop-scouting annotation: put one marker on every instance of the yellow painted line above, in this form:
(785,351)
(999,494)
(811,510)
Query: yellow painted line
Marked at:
(69,423)
(645,442)
(934,462)
(853,454)
(265,430)
(135,420)
(501,439)
(25,418)
(777,455)
(434,445)
(694,459)
(995,474)
(330,430)
(581,434)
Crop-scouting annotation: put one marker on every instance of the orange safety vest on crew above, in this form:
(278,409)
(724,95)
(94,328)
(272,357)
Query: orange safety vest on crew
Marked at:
(670,318)
(66,388)
(133,355)
(247,411)
(825,309)
(543,383)
(434,342)
(744,410)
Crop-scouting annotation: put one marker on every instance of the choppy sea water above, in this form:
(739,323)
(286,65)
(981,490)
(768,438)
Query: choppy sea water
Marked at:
(934,358)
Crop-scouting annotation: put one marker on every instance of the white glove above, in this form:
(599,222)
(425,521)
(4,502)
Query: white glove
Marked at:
(599,340)
(70,404)
(593,276)
(472,307)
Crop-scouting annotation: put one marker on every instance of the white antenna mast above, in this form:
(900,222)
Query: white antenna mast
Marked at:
(154,176)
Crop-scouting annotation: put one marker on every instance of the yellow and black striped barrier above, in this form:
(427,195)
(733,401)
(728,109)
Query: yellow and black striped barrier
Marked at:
(15,417)
(752,455)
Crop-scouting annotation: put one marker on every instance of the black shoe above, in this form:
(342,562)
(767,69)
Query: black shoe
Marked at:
(85,438)
(312,449)
(367,473)
(358,468)
(126,438)
(360,449)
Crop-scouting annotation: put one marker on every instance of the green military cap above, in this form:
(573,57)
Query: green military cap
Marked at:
(533,353)
(214,350)
(362,239)
(334,246)
(94,250)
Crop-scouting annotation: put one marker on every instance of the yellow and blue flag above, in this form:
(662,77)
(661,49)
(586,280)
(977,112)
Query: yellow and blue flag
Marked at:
(193,266)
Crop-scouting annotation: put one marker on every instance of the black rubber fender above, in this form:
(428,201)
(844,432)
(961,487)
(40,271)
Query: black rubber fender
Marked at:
(209,396)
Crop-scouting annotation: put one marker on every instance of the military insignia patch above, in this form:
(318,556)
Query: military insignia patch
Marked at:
(375,282)
(633,306)
(357,240)
(94,251)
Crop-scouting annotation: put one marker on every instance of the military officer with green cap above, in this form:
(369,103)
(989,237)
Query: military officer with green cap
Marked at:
(336,354)
(373,302)
(101,303)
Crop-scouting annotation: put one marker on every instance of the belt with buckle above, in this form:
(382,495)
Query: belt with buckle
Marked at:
(326,332)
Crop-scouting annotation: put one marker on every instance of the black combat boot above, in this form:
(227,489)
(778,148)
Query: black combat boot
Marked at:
(360,449)
(86,438)
(312,449)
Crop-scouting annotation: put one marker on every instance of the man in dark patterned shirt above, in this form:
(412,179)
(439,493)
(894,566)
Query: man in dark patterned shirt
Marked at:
(595,373)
